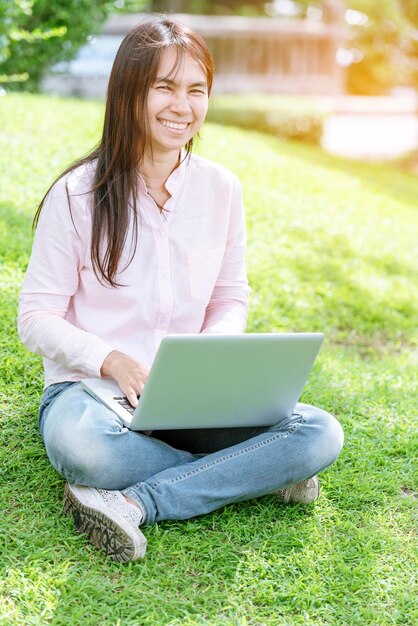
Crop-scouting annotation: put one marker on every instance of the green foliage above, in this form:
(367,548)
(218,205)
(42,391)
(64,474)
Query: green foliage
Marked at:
(277,116)
(331,247)
(37,33)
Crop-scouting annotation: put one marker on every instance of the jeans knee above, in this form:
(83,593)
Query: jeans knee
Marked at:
(331,438)
(77,449)
(327,436)
(72,455)
(77,432)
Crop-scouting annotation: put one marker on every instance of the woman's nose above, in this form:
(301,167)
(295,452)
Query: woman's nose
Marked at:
(180,103)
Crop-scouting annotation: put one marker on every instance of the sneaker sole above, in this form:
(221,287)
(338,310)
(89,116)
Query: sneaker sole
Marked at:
(103,532)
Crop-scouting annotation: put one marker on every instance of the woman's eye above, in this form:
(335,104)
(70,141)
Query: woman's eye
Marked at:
(163,88)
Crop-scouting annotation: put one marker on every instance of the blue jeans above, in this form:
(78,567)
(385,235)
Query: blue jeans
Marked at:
(180,474)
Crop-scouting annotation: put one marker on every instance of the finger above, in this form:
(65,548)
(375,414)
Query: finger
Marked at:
(132,398)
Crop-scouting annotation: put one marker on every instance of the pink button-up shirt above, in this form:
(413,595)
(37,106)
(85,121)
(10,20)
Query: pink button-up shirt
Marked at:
(187,275)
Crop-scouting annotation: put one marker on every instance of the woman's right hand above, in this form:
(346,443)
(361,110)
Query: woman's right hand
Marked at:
(129,373)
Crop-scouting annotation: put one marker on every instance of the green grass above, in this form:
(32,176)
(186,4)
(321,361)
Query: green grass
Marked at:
(332,247)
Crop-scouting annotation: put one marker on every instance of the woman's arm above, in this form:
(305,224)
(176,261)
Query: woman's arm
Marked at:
(59,252)
(227,310)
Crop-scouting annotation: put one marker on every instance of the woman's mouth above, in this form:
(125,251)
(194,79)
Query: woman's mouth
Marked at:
(174,125)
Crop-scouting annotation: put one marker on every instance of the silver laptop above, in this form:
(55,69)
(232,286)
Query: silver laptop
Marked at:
(217,381)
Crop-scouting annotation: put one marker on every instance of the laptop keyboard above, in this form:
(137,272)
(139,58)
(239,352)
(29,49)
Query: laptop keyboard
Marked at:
(123,401)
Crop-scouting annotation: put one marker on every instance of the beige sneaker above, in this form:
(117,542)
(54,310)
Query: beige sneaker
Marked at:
(306,491)
(108,520)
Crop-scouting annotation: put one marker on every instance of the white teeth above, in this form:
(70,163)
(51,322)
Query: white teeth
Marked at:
(176,125)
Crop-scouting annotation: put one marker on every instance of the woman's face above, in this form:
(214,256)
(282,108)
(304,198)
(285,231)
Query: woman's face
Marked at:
(177,102)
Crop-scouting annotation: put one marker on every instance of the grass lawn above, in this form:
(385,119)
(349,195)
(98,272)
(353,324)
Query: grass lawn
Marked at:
(332,247)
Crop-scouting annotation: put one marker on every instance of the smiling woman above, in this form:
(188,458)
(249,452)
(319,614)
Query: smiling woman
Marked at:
(138,240)
(177,100)
(176,109)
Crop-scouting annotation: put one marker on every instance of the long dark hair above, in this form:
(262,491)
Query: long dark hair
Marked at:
(126,136)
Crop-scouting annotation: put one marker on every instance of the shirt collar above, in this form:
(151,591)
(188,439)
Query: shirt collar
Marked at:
(174,182)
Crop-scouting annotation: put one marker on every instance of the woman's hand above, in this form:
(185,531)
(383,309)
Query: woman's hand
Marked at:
(129,373)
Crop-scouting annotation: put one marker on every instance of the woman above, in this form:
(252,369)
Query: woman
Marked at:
(137,240)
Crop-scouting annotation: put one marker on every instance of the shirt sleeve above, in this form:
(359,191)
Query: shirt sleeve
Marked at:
(227,310)
(61,243)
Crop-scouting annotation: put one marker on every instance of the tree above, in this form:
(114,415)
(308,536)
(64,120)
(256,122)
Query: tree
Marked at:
(36,33)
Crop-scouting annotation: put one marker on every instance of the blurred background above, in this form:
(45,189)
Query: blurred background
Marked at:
(340,73)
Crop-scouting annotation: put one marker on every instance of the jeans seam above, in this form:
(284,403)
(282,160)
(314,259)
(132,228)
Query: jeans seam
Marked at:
(261,444)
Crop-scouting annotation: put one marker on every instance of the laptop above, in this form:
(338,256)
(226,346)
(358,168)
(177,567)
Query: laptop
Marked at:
(217,381)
